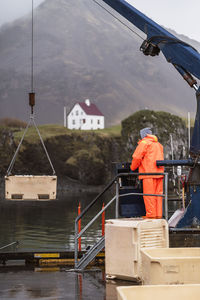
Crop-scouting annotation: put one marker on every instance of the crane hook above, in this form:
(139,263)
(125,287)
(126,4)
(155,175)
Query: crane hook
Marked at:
(32,101)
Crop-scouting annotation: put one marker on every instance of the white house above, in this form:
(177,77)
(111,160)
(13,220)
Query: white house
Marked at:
(85,116)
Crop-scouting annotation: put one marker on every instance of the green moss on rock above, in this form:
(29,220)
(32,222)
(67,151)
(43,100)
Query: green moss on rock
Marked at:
(164,125)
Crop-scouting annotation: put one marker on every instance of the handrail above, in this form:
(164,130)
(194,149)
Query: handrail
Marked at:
(9,245)
(115,198)
(97,215)
(107,187)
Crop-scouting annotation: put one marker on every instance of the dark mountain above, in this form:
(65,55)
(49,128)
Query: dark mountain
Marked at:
(81,52)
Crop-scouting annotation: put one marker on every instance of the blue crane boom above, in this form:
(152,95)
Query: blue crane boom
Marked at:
(184,57)
(186,60)
(175,51)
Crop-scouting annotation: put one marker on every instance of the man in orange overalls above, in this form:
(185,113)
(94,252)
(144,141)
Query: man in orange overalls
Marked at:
(147,152)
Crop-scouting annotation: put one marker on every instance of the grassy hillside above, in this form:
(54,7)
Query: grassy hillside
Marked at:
(53,130)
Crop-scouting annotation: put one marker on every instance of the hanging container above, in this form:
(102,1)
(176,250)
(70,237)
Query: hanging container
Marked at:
(29,187)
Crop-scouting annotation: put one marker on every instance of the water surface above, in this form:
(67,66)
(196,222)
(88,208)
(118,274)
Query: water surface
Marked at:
(46,225)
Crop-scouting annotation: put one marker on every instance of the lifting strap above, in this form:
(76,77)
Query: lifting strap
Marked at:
(42,142)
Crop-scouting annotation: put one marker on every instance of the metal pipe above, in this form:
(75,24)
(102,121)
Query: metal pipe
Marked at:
(109,203)
(195,86)
(77,234)
(108,186)
(79,227)
(103,222)
(172,151)
(117,200)
(166,200)
(76,245)
(189,133)
(183,162)
(11,244)
(96,217)
(141,194)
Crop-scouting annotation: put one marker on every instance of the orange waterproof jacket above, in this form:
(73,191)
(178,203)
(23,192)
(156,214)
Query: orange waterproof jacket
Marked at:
(147,152)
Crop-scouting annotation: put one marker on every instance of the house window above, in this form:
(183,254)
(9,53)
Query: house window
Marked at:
(73,122)
(98,122)
(72,114)
(84,121)
(77,112)
(91,121)
(81,113)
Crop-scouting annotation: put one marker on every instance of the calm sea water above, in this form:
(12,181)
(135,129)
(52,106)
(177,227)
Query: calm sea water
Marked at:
(47,225)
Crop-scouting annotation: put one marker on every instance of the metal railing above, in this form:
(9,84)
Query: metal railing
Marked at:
(94,250)
(9,245)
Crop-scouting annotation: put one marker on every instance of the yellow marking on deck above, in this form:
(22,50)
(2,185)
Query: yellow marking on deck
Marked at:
(45,255)
(46,262)
(101,254)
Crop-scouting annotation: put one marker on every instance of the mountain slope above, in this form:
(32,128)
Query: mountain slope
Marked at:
(82,52)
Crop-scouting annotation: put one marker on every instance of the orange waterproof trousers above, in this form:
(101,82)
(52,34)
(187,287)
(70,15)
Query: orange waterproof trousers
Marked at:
(153,204)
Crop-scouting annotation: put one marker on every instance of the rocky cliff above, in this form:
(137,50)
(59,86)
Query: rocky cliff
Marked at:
(170,130)
(88,157)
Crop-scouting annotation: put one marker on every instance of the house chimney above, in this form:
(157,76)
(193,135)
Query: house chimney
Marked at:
(87,102)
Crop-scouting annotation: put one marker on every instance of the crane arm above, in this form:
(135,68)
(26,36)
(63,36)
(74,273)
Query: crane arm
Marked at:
(186,60)
(184,57)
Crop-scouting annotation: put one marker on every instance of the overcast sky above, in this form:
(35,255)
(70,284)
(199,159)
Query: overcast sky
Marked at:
(13,9)
(180,15)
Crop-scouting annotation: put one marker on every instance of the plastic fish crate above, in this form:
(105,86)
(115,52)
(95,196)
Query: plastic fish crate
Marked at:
(124,238)
(165,292)
(171,266)
(30,187)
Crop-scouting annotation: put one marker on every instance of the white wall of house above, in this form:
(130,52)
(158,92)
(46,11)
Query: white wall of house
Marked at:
(78,119)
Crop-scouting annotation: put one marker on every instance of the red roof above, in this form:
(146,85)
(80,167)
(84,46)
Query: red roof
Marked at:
(90,109)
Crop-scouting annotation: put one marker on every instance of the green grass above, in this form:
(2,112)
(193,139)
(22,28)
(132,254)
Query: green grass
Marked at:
(116,130)
(46,131)
(52,130)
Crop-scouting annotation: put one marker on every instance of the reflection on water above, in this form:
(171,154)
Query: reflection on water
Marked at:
(49,225)
(46,225)
(28,284)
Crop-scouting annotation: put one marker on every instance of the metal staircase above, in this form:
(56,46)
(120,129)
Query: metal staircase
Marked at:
(91,254)
(82,262)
